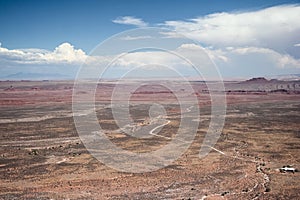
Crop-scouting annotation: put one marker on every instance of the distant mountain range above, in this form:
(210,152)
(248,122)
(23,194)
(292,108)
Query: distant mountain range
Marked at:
(286,77)
(57,76)
(35,76)
(257,80)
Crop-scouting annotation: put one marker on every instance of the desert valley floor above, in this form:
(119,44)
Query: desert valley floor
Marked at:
(42,156)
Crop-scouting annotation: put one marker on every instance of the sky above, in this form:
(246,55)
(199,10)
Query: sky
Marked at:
(243,38)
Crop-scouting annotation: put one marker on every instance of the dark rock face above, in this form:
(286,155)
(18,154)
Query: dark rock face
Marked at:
(262,84)
(257,80)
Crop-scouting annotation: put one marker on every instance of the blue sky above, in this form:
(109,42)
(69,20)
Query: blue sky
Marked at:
(37,28)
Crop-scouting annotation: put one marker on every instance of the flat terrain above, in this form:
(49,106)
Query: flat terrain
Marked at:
(42,156)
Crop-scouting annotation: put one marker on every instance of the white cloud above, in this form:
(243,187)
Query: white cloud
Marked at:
(233,57)
(177,58)
(129,20)
(266,55)
(171,34)
(136,38)
(252,42)
(189,47)
(233,61)
(145,59)
(275,27)
(217,55)
(246,43)
(253,61)
(63,54)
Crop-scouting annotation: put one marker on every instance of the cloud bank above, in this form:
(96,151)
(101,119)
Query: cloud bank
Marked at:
(275,27)
(252,43)
(63,54)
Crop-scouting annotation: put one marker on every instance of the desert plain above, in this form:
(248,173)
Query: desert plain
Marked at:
(43,157)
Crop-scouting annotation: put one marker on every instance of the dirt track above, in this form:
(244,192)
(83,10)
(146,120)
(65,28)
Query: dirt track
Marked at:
(42,156)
